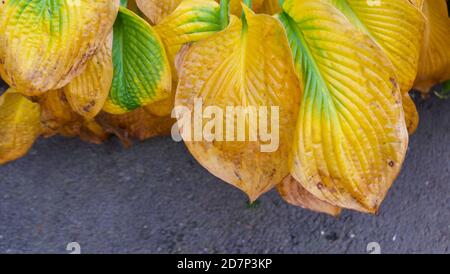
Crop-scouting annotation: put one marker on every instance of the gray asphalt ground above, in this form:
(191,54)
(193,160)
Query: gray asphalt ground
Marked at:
(155,198)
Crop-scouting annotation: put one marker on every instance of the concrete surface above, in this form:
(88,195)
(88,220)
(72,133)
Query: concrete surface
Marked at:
(154,198)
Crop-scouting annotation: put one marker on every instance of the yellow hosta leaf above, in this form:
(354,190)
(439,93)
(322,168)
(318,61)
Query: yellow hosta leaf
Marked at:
(294,193)
(191,21)
(156,10)
(242,66)
(435,58)
(88,92)
(137,124)
(397,28)
(351,135)
(19,125)
(45,44)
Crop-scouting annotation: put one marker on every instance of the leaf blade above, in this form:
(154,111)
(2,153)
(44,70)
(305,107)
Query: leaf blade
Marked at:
(142,74)
(351,135)
(435,58)
(19,125)
(397,27)
(40,47)
(243,67)
(87,93)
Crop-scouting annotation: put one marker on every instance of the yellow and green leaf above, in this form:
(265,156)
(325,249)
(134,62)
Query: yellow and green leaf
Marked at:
(397,28)
(246,65)
(40,45)
(435,58)
(351,136)
(19,125)
(142,74)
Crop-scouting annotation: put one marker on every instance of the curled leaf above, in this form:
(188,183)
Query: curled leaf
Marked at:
(397,28)
(351,137)
(40,41)
(137,124)
(87,92)
(294,193)
(19,125)
(435,58)
(57,117)
(246,65)
(142,73)
(56,114)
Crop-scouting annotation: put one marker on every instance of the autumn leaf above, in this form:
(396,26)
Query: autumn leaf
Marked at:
(351,137)
(41,47)
(88,92)
(19,125)
(435,58)
(397,28)
(246,65)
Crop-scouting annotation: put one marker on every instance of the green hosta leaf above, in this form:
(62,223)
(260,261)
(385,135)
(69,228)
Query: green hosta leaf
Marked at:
(142,72)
